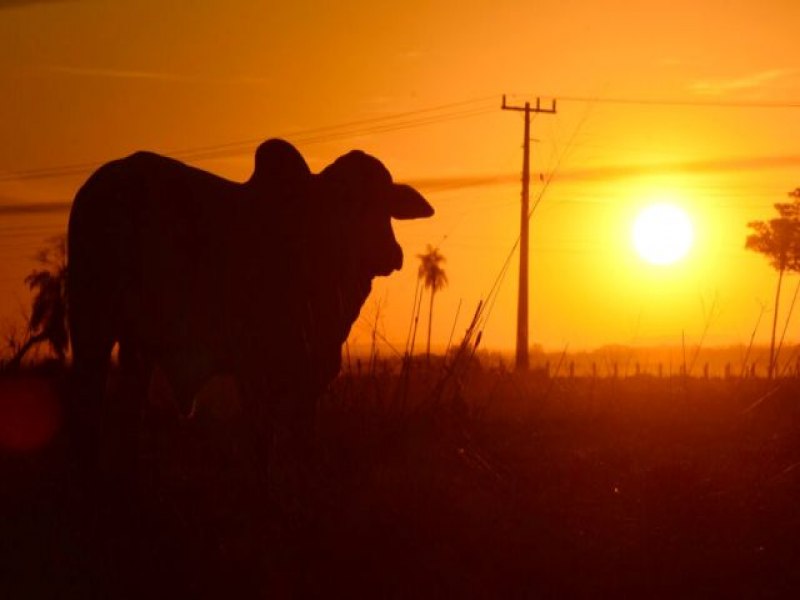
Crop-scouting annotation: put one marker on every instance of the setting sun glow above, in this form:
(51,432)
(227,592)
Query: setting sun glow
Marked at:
(709,125)
(662,234)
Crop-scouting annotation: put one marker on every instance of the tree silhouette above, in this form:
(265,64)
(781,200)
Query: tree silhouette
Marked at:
(434,278)
(48,317)
(779,240)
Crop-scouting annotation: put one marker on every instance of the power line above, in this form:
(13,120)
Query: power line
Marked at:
(336,136)
(384,124)
(341,130)
(394,122)
(679,102)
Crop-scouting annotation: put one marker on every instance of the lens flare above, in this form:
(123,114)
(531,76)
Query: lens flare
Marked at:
(30,414)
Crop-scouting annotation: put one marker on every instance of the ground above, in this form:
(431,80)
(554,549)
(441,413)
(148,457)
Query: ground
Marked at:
(507,486)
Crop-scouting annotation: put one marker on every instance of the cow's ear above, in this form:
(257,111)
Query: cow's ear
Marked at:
(407,203)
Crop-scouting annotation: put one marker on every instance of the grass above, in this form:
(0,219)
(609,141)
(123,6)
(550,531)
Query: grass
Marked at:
(503,486)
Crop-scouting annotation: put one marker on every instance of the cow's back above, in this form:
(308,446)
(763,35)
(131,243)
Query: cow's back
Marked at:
(149,241)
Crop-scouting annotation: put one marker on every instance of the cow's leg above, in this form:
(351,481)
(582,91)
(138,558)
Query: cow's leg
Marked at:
(187,370)
(135,372)
(258,413)
(91,351)
(185,388)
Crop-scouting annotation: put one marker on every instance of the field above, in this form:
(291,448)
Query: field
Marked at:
(506,486)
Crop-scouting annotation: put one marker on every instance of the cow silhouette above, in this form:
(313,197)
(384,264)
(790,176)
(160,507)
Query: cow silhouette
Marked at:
(202,276)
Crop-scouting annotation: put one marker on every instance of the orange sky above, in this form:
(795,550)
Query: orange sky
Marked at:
(85,81)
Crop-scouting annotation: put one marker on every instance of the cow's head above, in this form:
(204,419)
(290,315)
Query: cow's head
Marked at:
(365,199)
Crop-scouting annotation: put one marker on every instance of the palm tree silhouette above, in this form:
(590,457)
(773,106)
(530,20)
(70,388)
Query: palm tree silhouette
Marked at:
(48,319)
(434,278)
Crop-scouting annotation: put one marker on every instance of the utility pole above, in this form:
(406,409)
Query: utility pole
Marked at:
(521,362)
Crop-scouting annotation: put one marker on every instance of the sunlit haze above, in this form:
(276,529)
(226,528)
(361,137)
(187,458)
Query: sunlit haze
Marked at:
(698,98)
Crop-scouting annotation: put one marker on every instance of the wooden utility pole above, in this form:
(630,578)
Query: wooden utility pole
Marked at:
(521,363)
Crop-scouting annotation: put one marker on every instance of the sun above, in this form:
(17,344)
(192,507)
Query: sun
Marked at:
(662,234)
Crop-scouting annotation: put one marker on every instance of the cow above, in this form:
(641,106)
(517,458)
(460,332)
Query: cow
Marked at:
(201,276)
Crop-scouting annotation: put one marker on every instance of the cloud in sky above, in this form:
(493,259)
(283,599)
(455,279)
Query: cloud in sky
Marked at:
(610,172)
(454,182)
(31,208)
(114,73)
(744,82)
(17,3)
